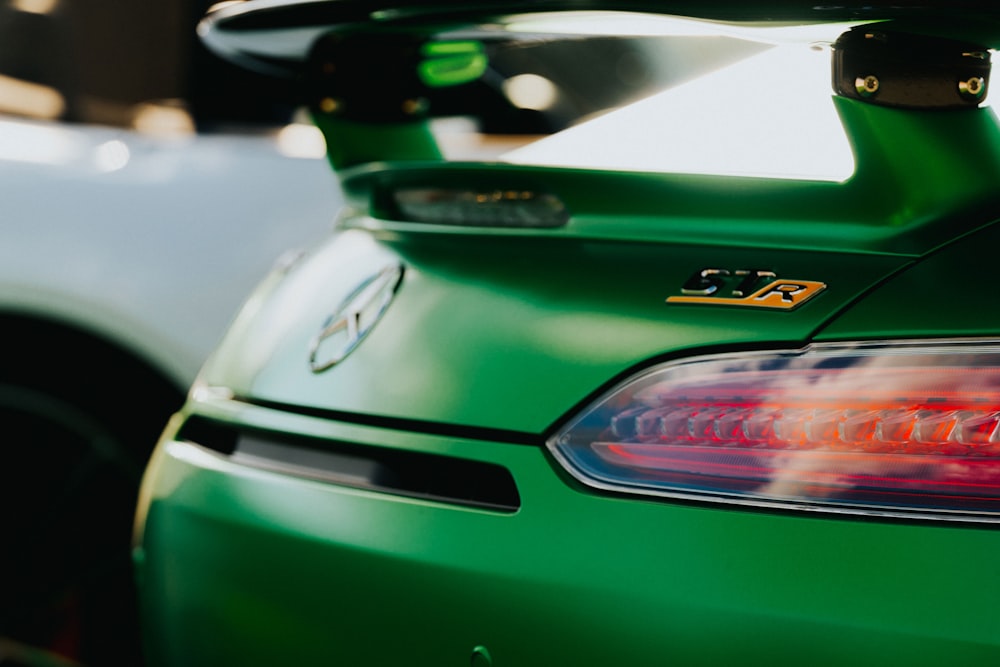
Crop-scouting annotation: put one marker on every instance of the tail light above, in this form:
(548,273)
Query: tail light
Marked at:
(906,428)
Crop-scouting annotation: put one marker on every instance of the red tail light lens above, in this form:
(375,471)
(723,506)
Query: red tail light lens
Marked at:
(908,428)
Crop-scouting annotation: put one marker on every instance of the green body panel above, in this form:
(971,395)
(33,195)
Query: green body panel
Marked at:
(506,333)
(951,292)
(243,567)
(361,142)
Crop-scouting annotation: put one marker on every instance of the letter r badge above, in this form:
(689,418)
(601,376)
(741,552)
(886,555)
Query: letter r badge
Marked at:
(779,294)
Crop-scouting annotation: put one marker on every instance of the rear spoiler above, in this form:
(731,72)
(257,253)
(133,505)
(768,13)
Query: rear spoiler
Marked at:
(909,80)
(274,36)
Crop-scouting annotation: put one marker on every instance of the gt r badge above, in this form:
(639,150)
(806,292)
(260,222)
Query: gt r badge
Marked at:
(748,287)
(347,326)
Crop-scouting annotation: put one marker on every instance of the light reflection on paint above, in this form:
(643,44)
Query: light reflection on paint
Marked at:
(883,427)
(631,24)
(222,5)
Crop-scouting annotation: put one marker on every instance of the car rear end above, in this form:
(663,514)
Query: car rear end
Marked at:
(641,391)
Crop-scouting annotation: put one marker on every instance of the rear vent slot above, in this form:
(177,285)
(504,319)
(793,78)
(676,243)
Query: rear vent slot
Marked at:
(208,433)
(416,475)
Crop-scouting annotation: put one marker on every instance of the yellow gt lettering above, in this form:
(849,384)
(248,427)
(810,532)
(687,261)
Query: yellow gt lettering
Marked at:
(780,294)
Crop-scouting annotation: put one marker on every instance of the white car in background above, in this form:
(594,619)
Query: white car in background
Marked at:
(129,237)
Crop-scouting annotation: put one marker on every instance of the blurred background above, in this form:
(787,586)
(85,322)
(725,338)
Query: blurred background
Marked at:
(145,188)
(126,64)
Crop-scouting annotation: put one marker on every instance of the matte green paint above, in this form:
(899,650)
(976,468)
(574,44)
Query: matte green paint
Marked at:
(504,333)
(249,568)
(350,142)
(951,292)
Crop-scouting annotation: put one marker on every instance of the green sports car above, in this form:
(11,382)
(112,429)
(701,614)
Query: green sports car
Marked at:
(654,333)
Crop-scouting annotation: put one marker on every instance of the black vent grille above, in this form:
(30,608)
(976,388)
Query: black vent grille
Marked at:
(435,477)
